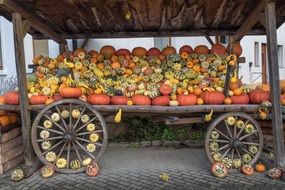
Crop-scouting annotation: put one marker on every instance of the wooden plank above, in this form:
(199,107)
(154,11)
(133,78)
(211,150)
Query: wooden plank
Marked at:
(229,69)
(35,22)
(10,135)
(11,164)
(9,107)
(183,121)
(10,144)
(10,154)
(84,42)
(22,84)
(209,39)
(251,20)
(61,48)
(277,123)
(261,19)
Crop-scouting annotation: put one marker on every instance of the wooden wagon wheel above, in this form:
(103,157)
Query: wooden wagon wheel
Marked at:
(234,139)
(69,134)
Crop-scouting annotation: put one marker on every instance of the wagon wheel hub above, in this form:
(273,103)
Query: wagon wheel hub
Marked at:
(69,136)
(236,143)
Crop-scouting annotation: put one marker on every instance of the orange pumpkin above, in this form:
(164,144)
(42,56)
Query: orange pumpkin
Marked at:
(234,85)
(13,117)
(189,64)
(2,101)
(12,98)
(115,65)
(3,112)
(241,99)
(196,68)
(141,100)
(228,101)
(186,48)
(70,92)
(161,101)
(236,49)
(197,91)
(201,49)
(213,97)
(92,169)
(218,49)
(139,51)
(257,96)
(114,58)
(108,50)
(123,52)
(4,120)
(165,89)
(99,99)
(169,50)
(247,170)
(184,55)
(153,52)
(260,167)
(263,87)
(187,100)
(80,52)
(57,97)
(40,99)
(237,91)
(119,100)
(200,101)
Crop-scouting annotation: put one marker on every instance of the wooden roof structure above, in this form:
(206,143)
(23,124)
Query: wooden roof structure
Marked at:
(141,18)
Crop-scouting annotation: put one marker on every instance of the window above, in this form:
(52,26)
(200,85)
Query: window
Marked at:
(224,39)
(256,54)
(280,56)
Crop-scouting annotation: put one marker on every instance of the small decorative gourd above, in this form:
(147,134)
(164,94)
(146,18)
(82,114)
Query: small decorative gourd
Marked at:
(218,169)
(17,175)
(92,169)
(75,164)
(47,171)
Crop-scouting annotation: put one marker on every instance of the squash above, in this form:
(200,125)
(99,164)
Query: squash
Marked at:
(241,99)
(139,51)
(2,100)
(70,92)
(258,96)
(186,48)
(92,169)
(108,50)
(169,50)
(4,120)
(165,89)
(201,49)
(153,52)
(99,99)
(234,85)
(123,52)
(236,49)
(218,169)
(57,97)
(228,101)
(197,91)
(17,175)
(12,98)
(247,169)
(274,173)
(187,100)
(40,99)
(263,87)
(161,101)
(218,49)
(47,171)
(141,100)
(260,167)
(80,53)
(119,100)
(213,97)
(13,117)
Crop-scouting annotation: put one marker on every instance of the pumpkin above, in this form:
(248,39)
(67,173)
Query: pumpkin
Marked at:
(234,85)
(80,53)
(3,112)
(236,49)
(257,96)
(4,120)
(218,169)
(40,99)
(108,50)
(86,161)
(153,52)
(123,52)
(241,99)
(13,117)
(99,99)
(274,173)
(201,49)
(218,49)
(161,101)
(12,98)
(92,169)
(169,50)
(187,100)
(115,65)
(260,167)
(139,51)
(49,101)
(75,164)
(197,91)
(213,97)
(119,100)
(57,97)
(247,169)
(263,87)
(165,89)
(17,175)
(141,100)
(228,101)
(61,163)
(70,92)
(2,100)
(186,48)
(47,171)
(200,101)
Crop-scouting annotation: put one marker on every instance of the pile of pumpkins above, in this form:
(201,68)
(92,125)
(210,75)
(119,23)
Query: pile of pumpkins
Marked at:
(6,117)
(140,77)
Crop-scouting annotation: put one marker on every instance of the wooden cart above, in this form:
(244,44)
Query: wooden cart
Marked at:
(25,17)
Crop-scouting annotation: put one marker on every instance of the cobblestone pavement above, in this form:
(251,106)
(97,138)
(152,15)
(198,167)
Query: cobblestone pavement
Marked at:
(139,168)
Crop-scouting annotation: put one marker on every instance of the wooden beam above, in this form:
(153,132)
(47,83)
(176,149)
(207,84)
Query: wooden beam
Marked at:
(61,48)
(250,21)
(277,124)
(22,84)
(261,19)
(209,39)
(26,27)
(12,7)
(84,42)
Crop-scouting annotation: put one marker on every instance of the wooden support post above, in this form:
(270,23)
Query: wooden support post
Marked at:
(277,124)
(229,70)
(84,42)
(61,48)
(74,44)
(22,84)
(209,39)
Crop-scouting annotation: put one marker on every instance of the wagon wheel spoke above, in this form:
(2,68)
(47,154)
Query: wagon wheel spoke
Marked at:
(90,121)
(53,147)
(221,148)
(247,135)
(228,129)
(219,141)
(62,120)
(51,130)
(225,136)
(225,153)
(251,143)
(239,155)
(49,139)
(83,148)
(68,155)
(77,152)
(61,150)
(247,152)
(90,132)
(55,123)
(70,116)
(241,130)
(78,119)
(235,129)
(232,157)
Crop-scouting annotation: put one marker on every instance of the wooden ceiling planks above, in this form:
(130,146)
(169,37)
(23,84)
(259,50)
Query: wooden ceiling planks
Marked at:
(78,18)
